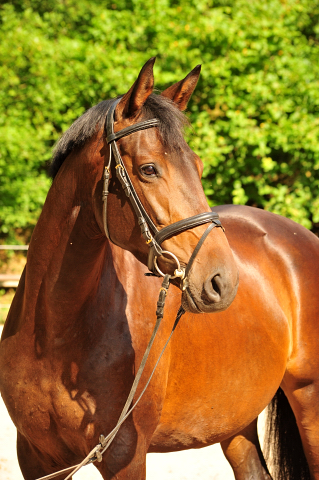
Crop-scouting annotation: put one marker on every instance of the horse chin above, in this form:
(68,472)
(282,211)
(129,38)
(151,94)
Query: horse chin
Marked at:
(188,302)
(194,303)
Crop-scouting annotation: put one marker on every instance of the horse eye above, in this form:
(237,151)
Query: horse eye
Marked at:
(149,170)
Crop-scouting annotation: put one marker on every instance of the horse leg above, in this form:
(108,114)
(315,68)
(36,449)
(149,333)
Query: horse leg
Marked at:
(124,459)
(244,454)
(33,465)
(136,470)
(119,463)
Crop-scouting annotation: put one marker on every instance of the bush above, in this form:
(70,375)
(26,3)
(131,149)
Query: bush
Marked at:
(254,112)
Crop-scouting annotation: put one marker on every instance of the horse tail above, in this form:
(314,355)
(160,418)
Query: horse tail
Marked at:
(283,447)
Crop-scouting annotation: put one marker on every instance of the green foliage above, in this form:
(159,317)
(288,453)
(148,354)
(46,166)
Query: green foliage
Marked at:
(254,112)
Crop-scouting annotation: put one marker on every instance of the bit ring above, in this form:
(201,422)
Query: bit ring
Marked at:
(178,272)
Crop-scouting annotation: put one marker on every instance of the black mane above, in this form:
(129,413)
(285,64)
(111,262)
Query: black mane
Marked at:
(172,122)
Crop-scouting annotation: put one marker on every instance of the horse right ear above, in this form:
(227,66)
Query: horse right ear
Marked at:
(139,92)
(182,91)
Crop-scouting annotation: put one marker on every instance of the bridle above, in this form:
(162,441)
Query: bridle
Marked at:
(152,236)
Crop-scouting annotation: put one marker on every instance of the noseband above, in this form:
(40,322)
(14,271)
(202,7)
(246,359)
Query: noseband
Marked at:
(152,236)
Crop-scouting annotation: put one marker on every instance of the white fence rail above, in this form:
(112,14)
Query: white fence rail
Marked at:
(10,280)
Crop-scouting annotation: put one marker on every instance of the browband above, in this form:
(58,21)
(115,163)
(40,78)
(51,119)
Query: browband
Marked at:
(154,122)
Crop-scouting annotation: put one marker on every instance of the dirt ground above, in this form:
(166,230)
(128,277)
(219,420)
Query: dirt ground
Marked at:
(205,464)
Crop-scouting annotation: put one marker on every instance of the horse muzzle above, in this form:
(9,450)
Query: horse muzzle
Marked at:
(214,294)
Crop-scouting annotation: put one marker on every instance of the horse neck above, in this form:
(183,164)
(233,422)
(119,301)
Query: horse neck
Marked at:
(67,250)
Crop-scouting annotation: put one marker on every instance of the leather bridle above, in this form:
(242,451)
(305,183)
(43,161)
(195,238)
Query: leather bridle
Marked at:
(152,236)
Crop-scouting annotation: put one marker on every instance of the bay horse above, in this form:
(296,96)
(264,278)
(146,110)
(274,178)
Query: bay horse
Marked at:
(128,155)
(83,311)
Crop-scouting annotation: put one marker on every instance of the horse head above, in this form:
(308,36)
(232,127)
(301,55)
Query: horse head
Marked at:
(154,186)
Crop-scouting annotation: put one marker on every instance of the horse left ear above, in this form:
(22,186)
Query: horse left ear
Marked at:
(139,92)
(182,91)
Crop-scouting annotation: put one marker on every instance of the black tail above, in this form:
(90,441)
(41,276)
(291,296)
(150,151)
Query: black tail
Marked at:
(283,443)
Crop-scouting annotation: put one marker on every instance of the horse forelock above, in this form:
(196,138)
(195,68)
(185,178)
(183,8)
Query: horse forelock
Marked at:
(171,127)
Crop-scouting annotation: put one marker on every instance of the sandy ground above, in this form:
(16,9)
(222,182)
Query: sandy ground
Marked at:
(206,463)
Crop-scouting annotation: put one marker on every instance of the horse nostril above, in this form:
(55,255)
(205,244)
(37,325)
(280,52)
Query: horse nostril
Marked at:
(214,293)
(215,285)
(213,289)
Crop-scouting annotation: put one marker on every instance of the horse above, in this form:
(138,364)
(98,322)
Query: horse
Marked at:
(84,311)
(70,308)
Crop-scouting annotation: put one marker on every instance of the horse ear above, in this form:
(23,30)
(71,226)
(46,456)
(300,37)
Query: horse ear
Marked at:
(182,91)
(137,95)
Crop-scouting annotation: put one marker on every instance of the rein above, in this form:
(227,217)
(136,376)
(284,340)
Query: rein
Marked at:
(154,241)
(104,442)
